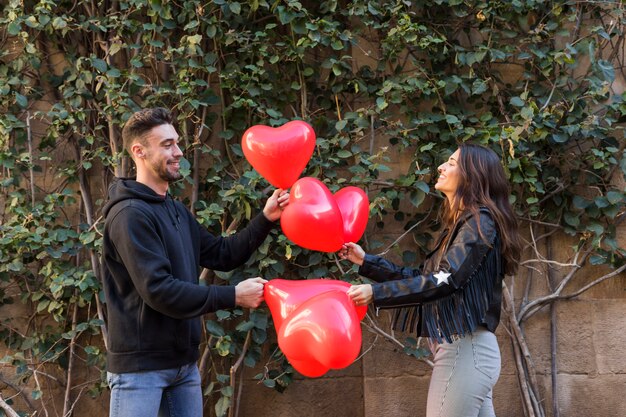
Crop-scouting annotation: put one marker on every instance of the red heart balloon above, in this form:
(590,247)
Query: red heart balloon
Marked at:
(310,367)
(312,218)
(354,206)
(284,296)
(279,154)
(324,329)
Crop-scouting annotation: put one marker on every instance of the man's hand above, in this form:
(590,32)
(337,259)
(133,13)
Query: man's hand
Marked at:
(352,252)
(249,293)
(275,204)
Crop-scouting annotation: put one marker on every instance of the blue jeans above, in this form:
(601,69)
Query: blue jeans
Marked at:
(463,377)
(163,393)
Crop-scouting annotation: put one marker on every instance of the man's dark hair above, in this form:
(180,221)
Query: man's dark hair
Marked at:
(141,123)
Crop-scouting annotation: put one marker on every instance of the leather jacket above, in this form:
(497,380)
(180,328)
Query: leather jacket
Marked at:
(447,299)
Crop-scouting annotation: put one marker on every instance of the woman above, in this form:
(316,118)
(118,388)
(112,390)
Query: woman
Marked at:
(454,297)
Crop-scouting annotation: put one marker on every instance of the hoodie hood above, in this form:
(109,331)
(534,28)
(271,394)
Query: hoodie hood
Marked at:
(127,188)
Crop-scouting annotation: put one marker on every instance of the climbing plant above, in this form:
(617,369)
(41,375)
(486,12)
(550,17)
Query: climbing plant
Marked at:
(390,87)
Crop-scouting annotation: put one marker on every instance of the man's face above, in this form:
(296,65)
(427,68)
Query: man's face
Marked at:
(162,154)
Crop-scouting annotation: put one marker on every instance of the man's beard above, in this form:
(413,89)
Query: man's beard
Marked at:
(166,175)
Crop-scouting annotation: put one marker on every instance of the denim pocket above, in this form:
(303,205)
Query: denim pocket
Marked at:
(486,353)
(112,379)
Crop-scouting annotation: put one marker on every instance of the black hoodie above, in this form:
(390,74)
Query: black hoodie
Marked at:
(152,250)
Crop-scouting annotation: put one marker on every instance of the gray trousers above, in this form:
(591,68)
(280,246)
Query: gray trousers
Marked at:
(463,377)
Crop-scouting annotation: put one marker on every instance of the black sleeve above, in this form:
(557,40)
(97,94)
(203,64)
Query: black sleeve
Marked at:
(227,253)
(379,269)
(462,258)
(142,251)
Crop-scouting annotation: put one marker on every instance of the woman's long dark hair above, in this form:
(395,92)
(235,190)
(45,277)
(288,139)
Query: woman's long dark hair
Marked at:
(483,183)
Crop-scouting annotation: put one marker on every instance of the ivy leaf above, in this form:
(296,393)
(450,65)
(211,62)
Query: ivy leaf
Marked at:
(223,346)
(285,15)
(571,218)
(596,228)
(614,197)
(59,23)
(244,326)
(479,87)
(273,113)
(452,119)
(337,45)
(601,202)
(194,39)
(409,257)
(580,202)
(222,314)
(223,378)
(21,100)
(259,336)
(371,7)
(115,48)
(611,211)
(606,69)
(340,125)
(14,28)
(99,64)
(417,197)
(597,260)
(191,25)
(337,70)
(227,391)
(517,102)
(422,186)
(381,103)
(214,328)
(222,406)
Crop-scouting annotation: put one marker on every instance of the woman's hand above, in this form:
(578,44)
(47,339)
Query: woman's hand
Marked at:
(352,252)
(361,295)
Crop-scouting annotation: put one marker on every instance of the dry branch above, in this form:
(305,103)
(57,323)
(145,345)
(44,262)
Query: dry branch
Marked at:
(10,412)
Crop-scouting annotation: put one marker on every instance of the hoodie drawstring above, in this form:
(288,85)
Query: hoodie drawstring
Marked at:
(175,222)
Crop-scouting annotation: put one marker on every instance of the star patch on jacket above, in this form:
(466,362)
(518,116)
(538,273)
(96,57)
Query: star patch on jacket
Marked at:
(442,277)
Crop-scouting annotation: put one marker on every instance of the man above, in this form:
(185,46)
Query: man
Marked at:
(152,248)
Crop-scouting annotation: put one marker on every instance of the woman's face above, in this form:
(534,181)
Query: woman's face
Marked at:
(449,174)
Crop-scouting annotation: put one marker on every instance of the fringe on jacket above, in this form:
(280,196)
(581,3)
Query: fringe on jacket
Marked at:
(460,313)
